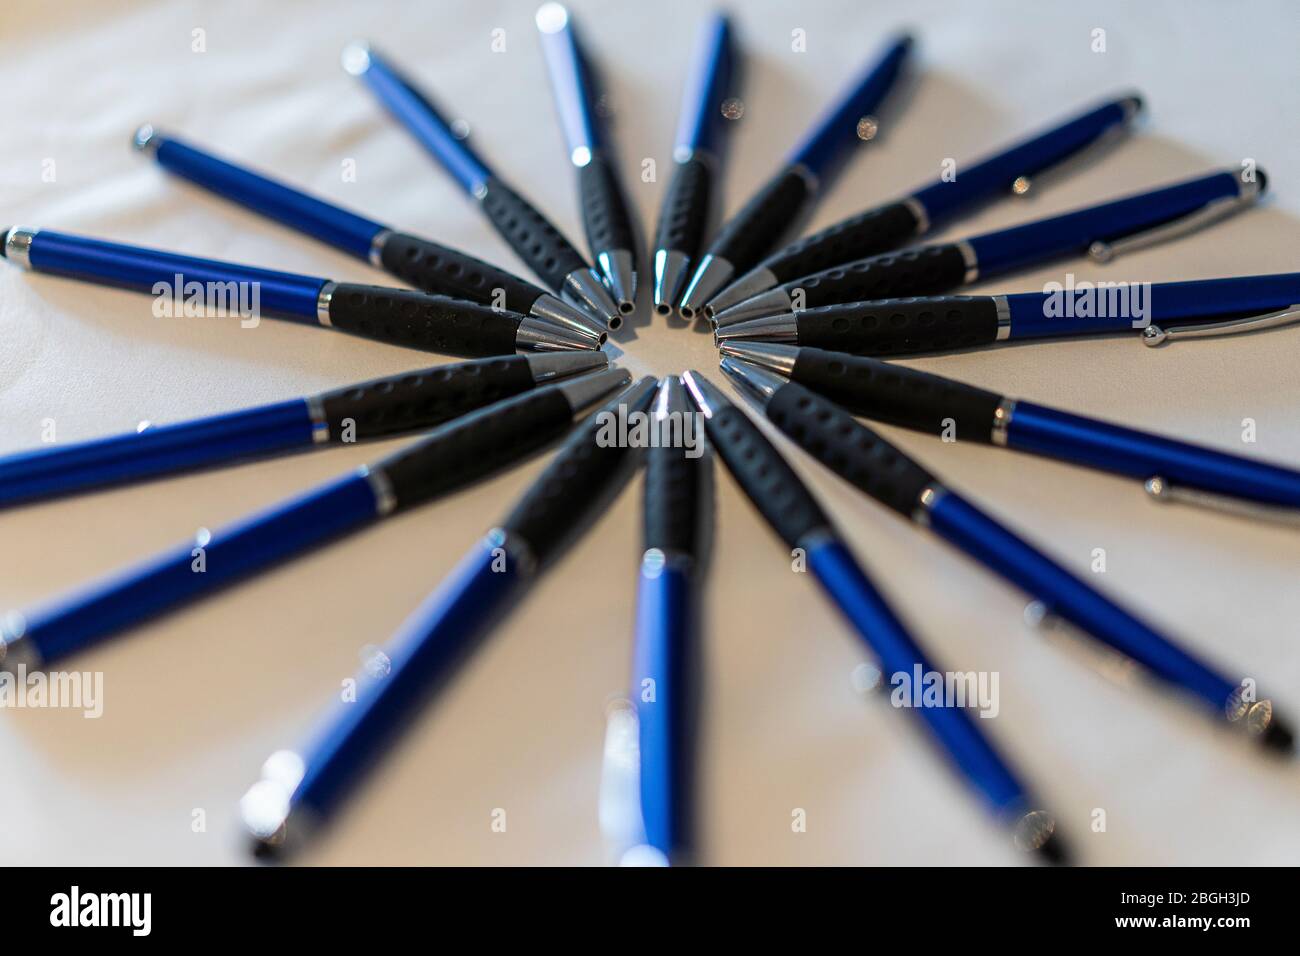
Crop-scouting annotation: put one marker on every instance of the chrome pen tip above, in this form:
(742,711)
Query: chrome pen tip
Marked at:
(355,57)
(145,138)
(709,279)
(620,276)
(776,356)
(585,289)
(670,272)
(773,328)
(754,282)
(771,302)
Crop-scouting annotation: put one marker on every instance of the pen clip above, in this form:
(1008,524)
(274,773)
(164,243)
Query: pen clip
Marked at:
(1154,335)
(1162,490)
(1027,184)
(1208,214)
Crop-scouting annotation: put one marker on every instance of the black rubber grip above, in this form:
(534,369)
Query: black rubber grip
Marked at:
(897,395)
(417,320)
(866,234)
(580,480)
(925,270)
(416,400)
(604,208)
(901,326)
(764,476)
(685,212)
(476,445)
(531,235)
(848,448)
(430,267)
(672,514)
(757,229)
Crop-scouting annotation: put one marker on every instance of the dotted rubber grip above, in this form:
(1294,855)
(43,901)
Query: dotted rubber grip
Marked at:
(416,320)
(928,270)
(685,213)
(897,395)
(423,399)
(771,484)
(580,479)
(476,445)
(531,235)
(848,448)
(433,268)
(672,501)
(901,326)
(754,231)
(604,210)
(866,234)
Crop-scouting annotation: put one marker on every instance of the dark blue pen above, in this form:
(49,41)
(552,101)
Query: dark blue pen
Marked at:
(610,232)
(383,407)
(530,234)
(424,264)
(689,201)
(778,206)
(898,223)
(787,505)
(452,457)
(1103,232)
(864,459)
(433,323)
(300,789)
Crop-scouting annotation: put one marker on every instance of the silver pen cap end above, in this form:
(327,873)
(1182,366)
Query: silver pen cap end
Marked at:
(708,280)
(585,289)
(771,302)
(774,356)
(773,328)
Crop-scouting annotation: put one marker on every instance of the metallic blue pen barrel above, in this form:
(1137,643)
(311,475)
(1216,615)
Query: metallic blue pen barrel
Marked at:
(842,578)
(200,566)
(1049,431)
(1068,598)
(664,626)
(157,450)
(707,83)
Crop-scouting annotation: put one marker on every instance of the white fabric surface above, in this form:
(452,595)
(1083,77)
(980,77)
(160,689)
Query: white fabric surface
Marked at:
(195,702)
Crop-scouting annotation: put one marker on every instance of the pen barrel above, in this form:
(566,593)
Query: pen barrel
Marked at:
(294,208)
(403,403)
(685,213)
(924,270)
(475,446)
(604,207)
(662,653)
(223,287)
(848,448)
(708,83)
(898,395)
(903,666)
(901,326)
(1070,599)
(198,568)
(868,233)
(1141,455)
(773,212)
(157,450)
(439,270)
(436,638)
(530,235)
(431,323)
(674,503)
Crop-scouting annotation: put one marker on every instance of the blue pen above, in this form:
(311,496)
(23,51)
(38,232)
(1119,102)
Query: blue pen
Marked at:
(787,505)
(300,789)
(688,204)
(1103,232)
(384,407)
(533,238)
(1161,312)
(788,196)
(424,264)
(957,192)
(611,236)
(860,456)
(187,285)
(450,458)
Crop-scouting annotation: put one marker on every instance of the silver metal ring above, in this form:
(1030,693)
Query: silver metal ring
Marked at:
(926,501)
(1002,420)
(919,212)
(323,303)
(385,497)
(1004,317)
(18,245)
(320,426)
(376,255)
(969,259)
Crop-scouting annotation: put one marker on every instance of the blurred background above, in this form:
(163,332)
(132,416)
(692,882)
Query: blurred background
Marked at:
(194,703)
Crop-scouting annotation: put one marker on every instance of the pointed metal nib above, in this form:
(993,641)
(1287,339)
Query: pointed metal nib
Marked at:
(707,395)
(584,394)
(752,283)
(769,355)
(584,288)
(773,328)
(670,273)
(553,365)
(620,276)
(708,280)
(754,382)
(556,310)
(536,334)
(772,302)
